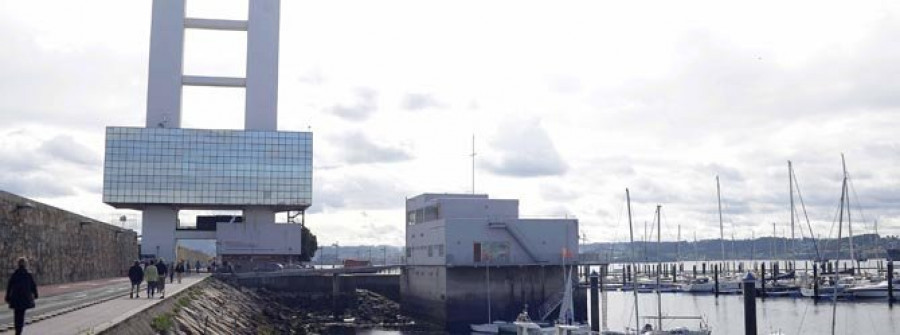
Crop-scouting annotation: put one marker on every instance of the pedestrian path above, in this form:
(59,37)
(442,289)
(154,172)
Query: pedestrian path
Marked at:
(92,318)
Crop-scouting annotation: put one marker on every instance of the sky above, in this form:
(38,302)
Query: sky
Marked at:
(569,104)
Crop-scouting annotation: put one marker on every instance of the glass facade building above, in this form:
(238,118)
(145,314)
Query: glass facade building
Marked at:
(207,168)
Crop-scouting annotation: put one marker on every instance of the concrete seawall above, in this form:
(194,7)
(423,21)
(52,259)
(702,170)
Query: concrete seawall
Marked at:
(387,285)
(61,246)
(458,296)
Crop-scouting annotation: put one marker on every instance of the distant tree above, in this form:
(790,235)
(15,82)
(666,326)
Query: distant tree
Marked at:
(309,244)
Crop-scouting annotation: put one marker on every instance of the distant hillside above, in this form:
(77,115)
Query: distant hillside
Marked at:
(192,255)
(205,246)
(865,246)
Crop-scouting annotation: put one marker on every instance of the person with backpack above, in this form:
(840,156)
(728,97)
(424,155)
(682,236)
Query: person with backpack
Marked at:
(162,271)
(179,270)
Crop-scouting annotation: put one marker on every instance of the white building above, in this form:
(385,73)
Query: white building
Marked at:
(162,168)
(472,230)
(463,248)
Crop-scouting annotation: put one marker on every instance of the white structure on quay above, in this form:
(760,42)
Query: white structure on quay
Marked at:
(163,168)
(455,242)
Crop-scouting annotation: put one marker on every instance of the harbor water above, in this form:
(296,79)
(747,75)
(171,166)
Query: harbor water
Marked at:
(725,314)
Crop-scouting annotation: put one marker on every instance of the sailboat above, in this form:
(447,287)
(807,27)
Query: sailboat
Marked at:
(648,328)
(705,284)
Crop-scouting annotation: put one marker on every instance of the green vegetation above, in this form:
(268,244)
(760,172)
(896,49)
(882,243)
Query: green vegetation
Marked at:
(309,243)
(163,323)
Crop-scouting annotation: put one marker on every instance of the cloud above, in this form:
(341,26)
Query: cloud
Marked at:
(356,148)
(46,168)
(420,101)
(313,77)
(66,148)
(44,79)
(357,191)
(554,192)
(364,103)
(40,185)
(525,150)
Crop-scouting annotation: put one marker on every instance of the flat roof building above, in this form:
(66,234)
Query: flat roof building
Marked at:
(465,252)
(472,229)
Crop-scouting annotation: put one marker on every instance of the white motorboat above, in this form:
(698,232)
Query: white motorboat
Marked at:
(708,285)
(826,289)
(879,290)
(699,284)
(489,328)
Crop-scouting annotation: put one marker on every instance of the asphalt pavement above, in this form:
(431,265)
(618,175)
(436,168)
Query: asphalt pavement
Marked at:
(88,305)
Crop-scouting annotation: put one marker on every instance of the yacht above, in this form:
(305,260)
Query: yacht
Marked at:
(879,290)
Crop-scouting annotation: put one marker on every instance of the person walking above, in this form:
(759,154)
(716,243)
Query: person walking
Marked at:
(21,292)
(171,272)
(179,270)
(136,275)
(162,270)
(197,266)
(151,276)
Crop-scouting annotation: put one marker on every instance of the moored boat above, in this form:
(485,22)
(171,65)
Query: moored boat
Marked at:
(879,290)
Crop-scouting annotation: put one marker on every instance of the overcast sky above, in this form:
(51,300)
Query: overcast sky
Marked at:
(569,103)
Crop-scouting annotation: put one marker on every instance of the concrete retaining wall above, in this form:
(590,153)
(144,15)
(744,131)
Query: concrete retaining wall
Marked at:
(456,297)
(61,246)
(387,285)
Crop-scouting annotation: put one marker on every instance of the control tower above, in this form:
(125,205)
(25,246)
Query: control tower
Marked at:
(162,168)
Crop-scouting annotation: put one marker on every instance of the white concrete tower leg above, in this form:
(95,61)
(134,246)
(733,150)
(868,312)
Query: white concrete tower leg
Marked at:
(166,64)
(158,231)
(262,66)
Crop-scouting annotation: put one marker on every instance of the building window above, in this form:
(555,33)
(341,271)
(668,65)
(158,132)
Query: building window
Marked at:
(410,218)
(408,252)
(430,251)
(476,252)
(440,248)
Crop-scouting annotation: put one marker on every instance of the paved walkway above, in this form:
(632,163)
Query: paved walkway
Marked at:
(91,318)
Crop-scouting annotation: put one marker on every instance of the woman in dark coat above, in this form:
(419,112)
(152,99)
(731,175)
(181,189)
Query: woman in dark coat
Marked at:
(21,291)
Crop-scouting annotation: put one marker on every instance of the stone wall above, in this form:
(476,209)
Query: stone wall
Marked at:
(61,246)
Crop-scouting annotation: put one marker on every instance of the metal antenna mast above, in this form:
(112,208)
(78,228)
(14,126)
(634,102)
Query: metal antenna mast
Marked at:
(473,163)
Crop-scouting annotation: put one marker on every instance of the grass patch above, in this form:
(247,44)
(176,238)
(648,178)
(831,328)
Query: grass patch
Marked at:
(162,323)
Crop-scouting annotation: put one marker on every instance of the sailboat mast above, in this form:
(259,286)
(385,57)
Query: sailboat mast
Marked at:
(838,256)
(791,186)
(774,241)
(658,268)
(637,320)
(721,229)
(849,223)
(752,244)
(678,244)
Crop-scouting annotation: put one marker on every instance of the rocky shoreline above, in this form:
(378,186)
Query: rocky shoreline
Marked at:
(218,307)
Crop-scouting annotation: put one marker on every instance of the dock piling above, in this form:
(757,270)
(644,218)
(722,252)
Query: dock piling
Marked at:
(716,278)
(595,303)
(749,287)
(762,278)
(890,282)
(815,283)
